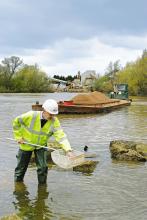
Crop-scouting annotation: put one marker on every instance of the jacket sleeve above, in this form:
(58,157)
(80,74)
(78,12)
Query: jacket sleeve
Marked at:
(18,122)
(60,136)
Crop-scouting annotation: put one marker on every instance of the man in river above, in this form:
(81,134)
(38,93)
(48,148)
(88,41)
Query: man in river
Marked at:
(37,127)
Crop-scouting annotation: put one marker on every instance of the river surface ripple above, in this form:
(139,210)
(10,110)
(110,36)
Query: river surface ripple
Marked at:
(112,191)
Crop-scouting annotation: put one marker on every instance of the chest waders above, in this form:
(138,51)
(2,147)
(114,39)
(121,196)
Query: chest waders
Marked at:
(23,159)
(24,156)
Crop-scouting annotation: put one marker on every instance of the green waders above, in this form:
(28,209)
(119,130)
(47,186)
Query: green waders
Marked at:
(23,159)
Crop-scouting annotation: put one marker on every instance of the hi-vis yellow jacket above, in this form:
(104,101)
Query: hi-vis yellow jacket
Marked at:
(28,127)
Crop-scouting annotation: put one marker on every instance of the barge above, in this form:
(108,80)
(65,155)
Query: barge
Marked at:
(94,102)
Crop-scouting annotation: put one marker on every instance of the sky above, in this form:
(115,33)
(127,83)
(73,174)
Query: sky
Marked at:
(67,36)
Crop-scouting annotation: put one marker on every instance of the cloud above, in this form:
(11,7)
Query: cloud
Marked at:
(69,56)
(67,36)
(36,24)
(129,41)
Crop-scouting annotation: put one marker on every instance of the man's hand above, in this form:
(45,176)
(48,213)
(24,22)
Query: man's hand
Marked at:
(21,141)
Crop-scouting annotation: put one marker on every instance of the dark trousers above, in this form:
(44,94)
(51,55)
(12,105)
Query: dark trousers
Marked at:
(23,159)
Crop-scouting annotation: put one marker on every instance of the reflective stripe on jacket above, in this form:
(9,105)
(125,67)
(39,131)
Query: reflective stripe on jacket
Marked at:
(28,127)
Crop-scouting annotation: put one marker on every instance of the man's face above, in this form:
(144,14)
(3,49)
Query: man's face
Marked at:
(47,115)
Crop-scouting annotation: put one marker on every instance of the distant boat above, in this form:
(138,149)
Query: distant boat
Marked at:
(94,102)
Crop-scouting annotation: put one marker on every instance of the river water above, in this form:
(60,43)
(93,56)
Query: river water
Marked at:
(112,191)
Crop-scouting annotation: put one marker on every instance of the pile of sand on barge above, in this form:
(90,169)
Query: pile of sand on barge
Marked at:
(92,98)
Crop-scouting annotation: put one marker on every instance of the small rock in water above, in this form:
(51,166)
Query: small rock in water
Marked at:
(128,151)
(86,167)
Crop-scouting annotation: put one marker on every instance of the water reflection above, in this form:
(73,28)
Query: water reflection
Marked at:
(130,164)
(26,208)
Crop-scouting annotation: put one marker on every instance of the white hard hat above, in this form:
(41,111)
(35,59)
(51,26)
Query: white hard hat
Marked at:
(51,106)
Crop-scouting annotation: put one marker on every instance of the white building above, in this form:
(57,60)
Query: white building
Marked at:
(88,78)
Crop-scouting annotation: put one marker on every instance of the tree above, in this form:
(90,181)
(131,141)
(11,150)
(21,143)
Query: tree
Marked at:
(65,78)
(135,75)
(144,54)
(12,64)
(103,84)
(8,69)
(112,70)
(31,79)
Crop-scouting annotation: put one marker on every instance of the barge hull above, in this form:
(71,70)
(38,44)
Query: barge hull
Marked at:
(78,109)
(87,109)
